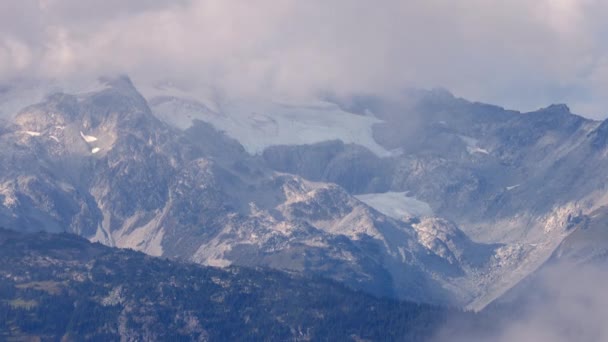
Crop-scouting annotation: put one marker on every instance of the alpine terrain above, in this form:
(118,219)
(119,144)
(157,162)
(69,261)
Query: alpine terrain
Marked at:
(422,197)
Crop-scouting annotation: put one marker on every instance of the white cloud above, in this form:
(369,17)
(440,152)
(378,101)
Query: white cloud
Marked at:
(14,55)
(573,307)
(564,302)
(520,53)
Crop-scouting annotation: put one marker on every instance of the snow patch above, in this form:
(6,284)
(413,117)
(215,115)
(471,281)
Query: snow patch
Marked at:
(32,133)
(88,138)
(473,145)
(473,150)
(396,205)
(95,150)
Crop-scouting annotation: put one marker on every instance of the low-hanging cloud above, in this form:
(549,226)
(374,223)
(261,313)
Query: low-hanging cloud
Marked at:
(520,53)
(565,302)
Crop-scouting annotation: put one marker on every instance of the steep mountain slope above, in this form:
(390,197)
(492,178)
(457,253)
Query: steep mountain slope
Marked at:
(61,287)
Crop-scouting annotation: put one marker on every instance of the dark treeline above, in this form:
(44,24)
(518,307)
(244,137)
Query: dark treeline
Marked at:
(61,287)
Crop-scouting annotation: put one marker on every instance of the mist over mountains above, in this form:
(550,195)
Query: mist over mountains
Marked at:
(211,170)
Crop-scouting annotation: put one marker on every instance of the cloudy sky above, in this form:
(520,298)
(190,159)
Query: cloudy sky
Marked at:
(520,54)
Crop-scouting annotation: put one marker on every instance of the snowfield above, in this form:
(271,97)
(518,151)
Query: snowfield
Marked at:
(396,205)
(261,124)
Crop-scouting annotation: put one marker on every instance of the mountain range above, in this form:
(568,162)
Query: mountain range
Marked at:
(421,196)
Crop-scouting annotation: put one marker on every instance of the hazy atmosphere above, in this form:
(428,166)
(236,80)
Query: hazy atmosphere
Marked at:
(518,54)
(303,170)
